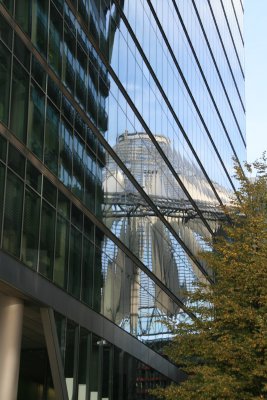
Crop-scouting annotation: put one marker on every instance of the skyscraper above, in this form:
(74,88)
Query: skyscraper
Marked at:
(118,123)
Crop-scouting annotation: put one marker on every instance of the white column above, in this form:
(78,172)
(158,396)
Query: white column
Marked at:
(11,318)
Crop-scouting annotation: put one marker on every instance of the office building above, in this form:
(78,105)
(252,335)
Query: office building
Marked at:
(118,123)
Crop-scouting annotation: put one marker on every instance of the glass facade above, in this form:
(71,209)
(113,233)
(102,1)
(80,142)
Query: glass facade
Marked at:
(119,120)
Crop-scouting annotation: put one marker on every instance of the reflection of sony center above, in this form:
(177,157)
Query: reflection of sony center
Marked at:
(127,299)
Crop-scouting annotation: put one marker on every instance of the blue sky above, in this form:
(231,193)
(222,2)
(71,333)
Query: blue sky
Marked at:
(255,31)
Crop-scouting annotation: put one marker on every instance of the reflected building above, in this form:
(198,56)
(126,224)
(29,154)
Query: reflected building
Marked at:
(119,120)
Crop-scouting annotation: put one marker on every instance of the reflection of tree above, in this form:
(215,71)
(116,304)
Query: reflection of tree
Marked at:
(128,293)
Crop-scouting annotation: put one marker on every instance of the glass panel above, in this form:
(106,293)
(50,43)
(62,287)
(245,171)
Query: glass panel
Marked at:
(61,333)
(33,177)
(5,60)
(30,239)
(98,280)
(35,380)
(55,40)
(39,24)
(69,59)
(65,154)
(16,161)
(53,92)
(89,228)
(59,5)
(36,121)
(74,285)
(94,20)
(83,364)
(81,76)
(87,271)
(80,125)
(38,73)
(94,368)
(62,252)
(19,101)
(13,214)
(63,205)
(89,189)
(83,8)
(117,374)
(51,138)
(2,186)
(67,110)
(21,52)
(99,198)
(106,371)
(78,167)
(3,147)
(8,4)
(5,32)
(47,239)
(76,217)
(23,14)
(49,192)
(69,358)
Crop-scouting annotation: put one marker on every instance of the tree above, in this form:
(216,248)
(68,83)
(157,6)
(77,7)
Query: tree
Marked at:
(224,349)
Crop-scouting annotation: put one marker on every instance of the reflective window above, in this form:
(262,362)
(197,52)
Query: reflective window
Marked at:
(19,101)
(61,252)
(13,214)
(75,262)
(51,147)
(30,234)
(47,241)
(36,121)
(5,62)
(55,39)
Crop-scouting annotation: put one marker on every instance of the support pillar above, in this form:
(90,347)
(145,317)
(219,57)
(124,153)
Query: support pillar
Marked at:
(11,318)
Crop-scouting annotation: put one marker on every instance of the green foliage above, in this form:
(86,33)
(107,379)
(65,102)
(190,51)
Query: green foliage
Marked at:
(224,350)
